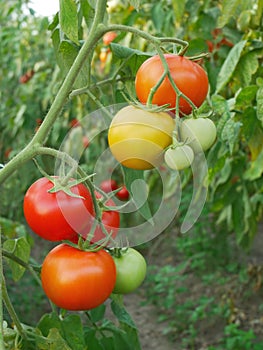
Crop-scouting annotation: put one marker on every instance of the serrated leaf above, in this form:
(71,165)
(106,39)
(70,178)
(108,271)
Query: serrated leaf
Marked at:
(137,187)
(260,104)
(20,248)
(68,19)
(228,10)
(229,65)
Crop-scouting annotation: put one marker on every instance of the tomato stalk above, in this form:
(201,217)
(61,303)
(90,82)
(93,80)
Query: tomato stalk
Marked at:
(11,310)
(2,345)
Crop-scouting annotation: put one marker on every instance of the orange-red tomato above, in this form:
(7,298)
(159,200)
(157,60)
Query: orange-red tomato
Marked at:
(109,37)
(190,78)
(74,279)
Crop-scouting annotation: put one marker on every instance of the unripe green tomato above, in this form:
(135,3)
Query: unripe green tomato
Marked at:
(131,270)
(179,158)
(199,133)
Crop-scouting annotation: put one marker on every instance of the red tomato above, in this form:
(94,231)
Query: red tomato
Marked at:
(74,279)
(123,193)
(108,37)
(57,216)
(108,185)
(111,221)
(190,78)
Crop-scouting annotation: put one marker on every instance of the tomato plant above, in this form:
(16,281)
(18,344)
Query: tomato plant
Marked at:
(200,133)
(190,78)
(78,280)
(138,137)
(179,157)
(109,37)
(57,216)
(131,270)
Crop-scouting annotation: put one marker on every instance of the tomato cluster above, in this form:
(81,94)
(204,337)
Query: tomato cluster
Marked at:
(79,277)
(142,138)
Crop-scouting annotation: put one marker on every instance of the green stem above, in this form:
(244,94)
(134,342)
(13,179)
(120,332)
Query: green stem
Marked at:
(2,345)
(96,32)
(11,311)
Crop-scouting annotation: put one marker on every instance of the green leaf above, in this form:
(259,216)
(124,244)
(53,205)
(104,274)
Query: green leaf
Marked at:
(256,168)
(20,248)
(87,11)
(179,9)
(66,55)
(229,65)
(228,10)
(158,16)
(73,332)
(244,20)
(91,341)
(57,342)
(47,322)
(98,313)
(134,58)
(120,312)
(230,133)
(136,185)
(260,104)
(247,66)
(68,19)
(246,96)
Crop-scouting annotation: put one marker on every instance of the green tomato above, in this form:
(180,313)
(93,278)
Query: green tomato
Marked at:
(179,158)
(131,270)
(199,133)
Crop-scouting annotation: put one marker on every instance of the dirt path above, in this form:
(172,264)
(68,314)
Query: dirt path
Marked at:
(146,320)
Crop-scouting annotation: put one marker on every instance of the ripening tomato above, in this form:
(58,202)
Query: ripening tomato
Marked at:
(75,279)
(190,78)
(108,37)
(57,216)
(179,158)
(108,185)
(138,137)
(131,271)
(200,133)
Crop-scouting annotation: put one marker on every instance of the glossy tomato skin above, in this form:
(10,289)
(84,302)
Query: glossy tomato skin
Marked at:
(123,193)
(57,216)
(131,270)
(108,185)
(137,137)
(189,77)
(74,279)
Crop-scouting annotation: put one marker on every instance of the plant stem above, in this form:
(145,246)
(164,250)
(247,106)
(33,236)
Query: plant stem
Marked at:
(11,311)
(96,32)
(2,345)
